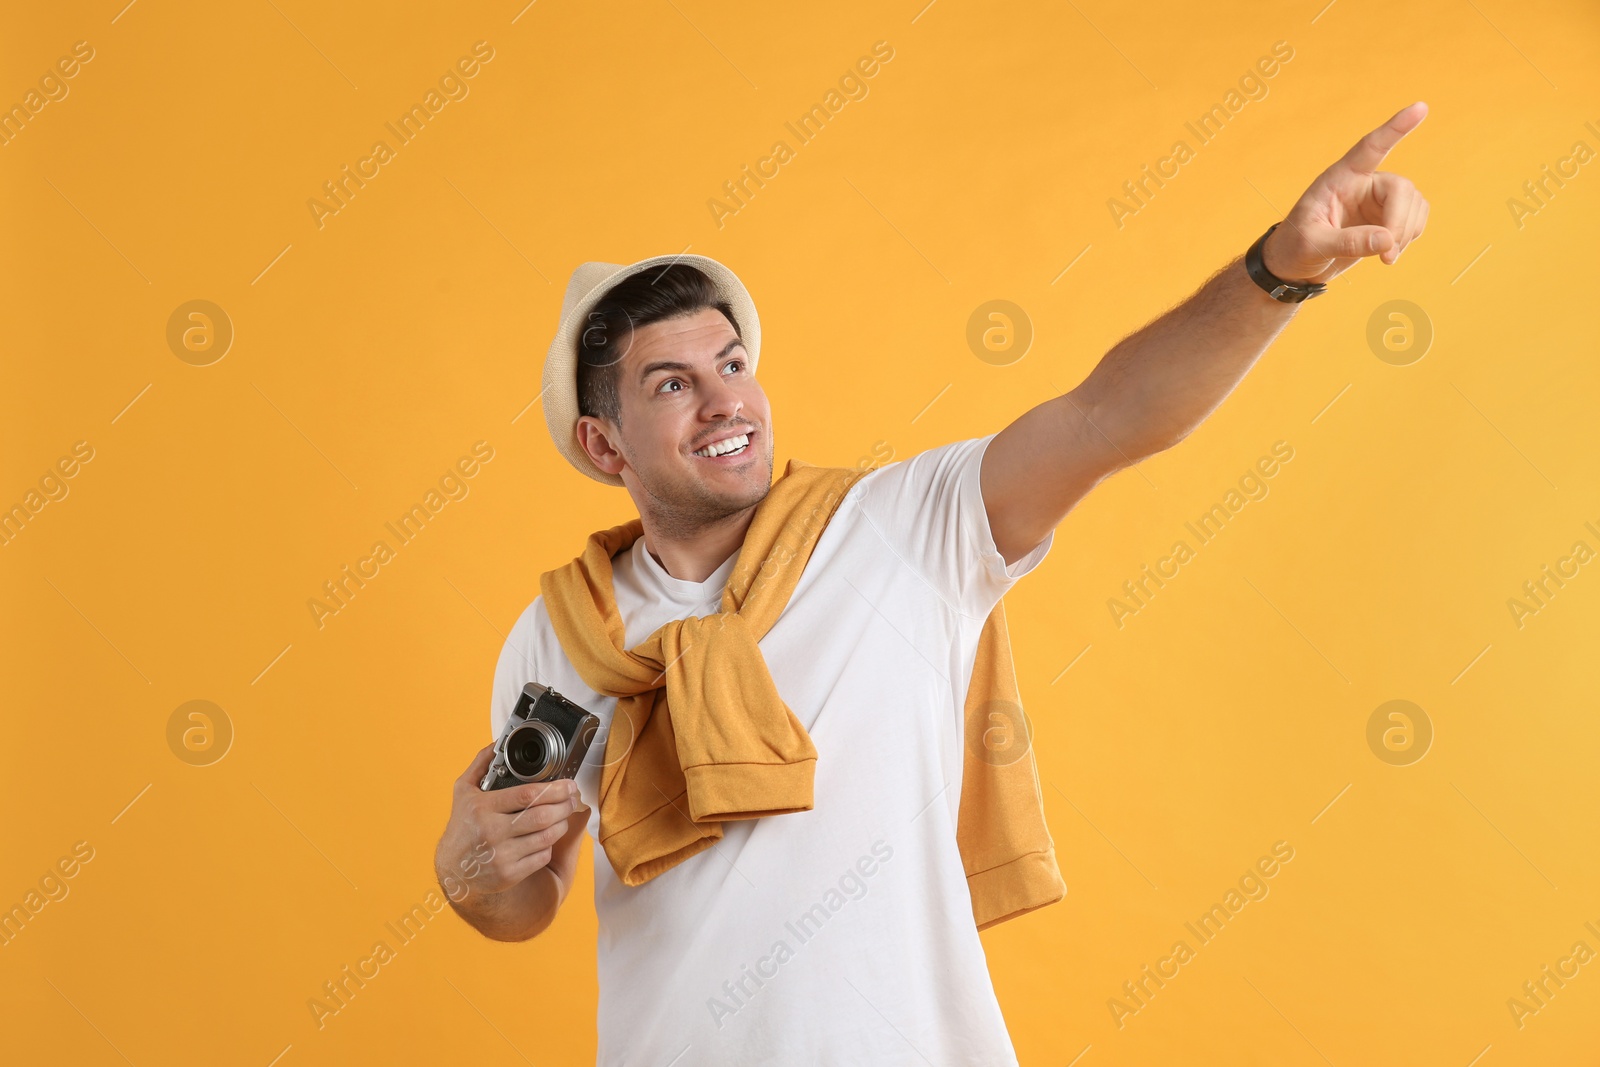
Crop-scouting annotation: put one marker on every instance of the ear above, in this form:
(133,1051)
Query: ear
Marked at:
(598,439)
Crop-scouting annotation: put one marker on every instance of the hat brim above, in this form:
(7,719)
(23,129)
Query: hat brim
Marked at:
(560,381)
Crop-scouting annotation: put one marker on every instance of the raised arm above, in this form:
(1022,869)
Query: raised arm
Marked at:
(1157,385)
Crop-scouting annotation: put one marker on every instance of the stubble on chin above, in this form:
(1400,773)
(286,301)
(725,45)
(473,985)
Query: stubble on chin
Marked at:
(683,509)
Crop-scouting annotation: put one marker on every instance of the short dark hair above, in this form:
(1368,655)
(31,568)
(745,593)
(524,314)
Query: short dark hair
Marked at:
(638,300)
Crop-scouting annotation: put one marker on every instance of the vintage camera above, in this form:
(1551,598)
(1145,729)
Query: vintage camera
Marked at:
(545,738)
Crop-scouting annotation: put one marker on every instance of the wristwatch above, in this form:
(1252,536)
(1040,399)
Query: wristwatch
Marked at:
(1277,288)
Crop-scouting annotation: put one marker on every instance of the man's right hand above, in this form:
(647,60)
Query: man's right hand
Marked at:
(497,841)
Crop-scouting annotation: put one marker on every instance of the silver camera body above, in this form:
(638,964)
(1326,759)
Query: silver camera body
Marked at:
(545,738)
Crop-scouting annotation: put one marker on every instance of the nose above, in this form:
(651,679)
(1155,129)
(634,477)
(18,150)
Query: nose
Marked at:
(720,401)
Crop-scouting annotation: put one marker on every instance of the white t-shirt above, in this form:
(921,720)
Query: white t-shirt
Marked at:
(841,935)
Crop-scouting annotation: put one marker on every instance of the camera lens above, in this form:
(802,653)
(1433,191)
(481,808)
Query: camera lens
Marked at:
(534,750)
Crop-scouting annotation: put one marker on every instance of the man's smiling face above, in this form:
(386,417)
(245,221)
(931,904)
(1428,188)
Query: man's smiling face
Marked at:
(685,385)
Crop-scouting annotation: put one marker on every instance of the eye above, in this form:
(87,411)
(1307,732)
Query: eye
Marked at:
(663,386)
(738,362)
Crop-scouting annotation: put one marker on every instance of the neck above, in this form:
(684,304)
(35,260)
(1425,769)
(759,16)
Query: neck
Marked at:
(692,555)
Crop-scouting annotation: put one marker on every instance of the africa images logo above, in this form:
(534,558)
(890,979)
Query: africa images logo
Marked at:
(851,885)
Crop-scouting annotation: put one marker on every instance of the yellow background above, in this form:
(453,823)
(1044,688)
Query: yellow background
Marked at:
(371,353)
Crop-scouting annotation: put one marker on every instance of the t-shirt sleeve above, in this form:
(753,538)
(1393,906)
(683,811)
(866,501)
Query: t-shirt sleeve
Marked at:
(930,510)
(514,670)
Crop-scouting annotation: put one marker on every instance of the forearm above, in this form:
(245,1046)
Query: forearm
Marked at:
(522,912)
(1157,385)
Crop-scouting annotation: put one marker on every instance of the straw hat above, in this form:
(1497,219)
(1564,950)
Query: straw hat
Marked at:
(589,283)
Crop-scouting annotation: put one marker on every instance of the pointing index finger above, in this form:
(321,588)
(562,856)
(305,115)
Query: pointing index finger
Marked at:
(1368,153)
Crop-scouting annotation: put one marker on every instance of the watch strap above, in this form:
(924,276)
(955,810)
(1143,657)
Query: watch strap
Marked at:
(1275,287)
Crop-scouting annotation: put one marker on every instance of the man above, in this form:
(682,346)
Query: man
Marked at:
(842,933)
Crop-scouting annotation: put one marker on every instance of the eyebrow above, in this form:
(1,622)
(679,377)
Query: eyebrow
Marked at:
(666,364)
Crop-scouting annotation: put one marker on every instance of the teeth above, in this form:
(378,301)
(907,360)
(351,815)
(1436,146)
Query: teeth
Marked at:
(722,448)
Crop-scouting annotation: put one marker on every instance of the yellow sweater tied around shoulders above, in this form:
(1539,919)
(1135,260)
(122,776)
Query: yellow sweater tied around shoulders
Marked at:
(700,734)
